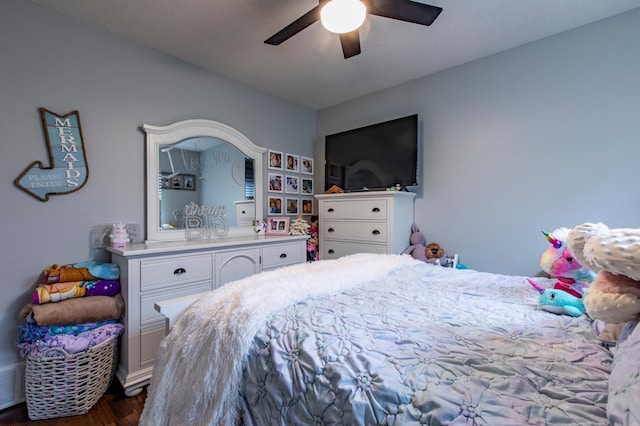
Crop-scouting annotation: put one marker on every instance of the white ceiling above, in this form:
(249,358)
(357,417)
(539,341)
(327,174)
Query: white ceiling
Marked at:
(227,37)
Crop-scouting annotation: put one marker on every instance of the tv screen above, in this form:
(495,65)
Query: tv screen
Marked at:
(374,157)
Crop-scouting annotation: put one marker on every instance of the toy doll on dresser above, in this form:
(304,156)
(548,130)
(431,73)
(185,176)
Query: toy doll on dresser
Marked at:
(312,242)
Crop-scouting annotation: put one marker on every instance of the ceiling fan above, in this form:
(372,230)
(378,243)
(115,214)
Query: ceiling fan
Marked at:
(402,10)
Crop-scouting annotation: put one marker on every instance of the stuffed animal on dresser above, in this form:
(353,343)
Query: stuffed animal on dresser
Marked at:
(119,236)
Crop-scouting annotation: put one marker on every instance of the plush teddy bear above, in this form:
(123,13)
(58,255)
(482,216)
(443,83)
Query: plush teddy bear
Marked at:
(417,244)
(614,254)
(433,251)
(435,254)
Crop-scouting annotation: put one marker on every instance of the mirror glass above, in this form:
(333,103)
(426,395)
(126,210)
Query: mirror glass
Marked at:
(205,171)
(201,163)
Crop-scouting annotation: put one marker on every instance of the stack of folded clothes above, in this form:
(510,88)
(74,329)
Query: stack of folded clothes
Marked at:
(75,308)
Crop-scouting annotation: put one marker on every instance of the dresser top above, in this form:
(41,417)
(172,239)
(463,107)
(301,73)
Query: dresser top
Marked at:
(145,249)
(367,194)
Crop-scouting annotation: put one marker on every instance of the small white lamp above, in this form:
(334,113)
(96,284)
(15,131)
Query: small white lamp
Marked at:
(343,16)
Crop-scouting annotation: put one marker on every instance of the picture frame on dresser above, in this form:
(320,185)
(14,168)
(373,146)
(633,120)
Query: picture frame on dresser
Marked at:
(278,225)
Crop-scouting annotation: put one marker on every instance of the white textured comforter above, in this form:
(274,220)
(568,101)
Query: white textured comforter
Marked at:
(199,365)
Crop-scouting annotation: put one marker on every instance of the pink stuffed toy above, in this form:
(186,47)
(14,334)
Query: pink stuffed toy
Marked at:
(559,262)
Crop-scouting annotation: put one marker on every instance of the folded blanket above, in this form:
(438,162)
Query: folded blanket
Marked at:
(81,271)
(76,311)
(45,293)
(71,343)
(31,332)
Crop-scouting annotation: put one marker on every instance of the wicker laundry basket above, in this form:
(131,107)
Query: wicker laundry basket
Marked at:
(69,384)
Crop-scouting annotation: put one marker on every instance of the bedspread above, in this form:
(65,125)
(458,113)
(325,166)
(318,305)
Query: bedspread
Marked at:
(434,346)
(419,345)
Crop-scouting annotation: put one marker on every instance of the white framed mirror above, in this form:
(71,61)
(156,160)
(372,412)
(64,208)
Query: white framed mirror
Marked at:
(206,163)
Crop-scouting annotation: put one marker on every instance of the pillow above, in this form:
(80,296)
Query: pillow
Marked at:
(624,381)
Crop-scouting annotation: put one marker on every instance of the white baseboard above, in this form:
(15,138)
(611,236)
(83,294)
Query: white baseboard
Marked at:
(12,385)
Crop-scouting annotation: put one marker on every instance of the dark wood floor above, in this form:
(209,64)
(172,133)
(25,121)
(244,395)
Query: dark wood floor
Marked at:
(114,408)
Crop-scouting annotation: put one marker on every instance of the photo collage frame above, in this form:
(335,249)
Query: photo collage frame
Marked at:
(180,181)
(290,184)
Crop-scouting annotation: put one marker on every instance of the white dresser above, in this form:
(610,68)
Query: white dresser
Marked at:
(364,222)
(150,273)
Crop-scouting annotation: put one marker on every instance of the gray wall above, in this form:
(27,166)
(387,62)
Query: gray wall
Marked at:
(539,137)
(535,138)
(53,62)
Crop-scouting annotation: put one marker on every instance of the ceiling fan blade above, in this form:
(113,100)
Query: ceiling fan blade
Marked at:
(295,27)
(350,44)
(404,10)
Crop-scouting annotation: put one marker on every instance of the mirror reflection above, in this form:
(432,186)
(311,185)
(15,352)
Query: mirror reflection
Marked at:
(206,171)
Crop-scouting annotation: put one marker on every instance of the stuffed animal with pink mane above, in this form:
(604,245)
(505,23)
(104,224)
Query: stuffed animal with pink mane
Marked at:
(559,262)
(566,295)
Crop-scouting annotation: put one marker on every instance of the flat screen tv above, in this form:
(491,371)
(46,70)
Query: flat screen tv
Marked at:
(374,157)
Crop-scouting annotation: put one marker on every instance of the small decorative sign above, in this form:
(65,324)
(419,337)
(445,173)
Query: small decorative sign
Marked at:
(68,170)
(205,221)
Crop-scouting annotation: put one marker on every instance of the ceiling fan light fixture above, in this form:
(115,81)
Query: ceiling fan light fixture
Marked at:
(343,16)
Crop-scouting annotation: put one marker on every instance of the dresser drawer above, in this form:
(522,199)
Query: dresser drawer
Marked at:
(173,270)
(282,255)
(246,213)
(149,343)
(336,249)
(375,232)
(148,313)
(363,209)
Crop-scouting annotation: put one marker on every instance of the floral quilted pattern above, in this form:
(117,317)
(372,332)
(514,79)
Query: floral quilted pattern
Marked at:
(432,346)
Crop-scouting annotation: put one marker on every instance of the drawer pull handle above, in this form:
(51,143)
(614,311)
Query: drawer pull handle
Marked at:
(331,230)
(375,232)
(331,251)
(179,271)
(330,210)
(243,212)
(375,210)
(283,255)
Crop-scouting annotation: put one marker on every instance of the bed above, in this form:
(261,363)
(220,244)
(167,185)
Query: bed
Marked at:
(383,339)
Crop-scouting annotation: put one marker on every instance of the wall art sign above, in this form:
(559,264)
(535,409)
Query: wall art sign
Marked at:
(68,170)
(204,221)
